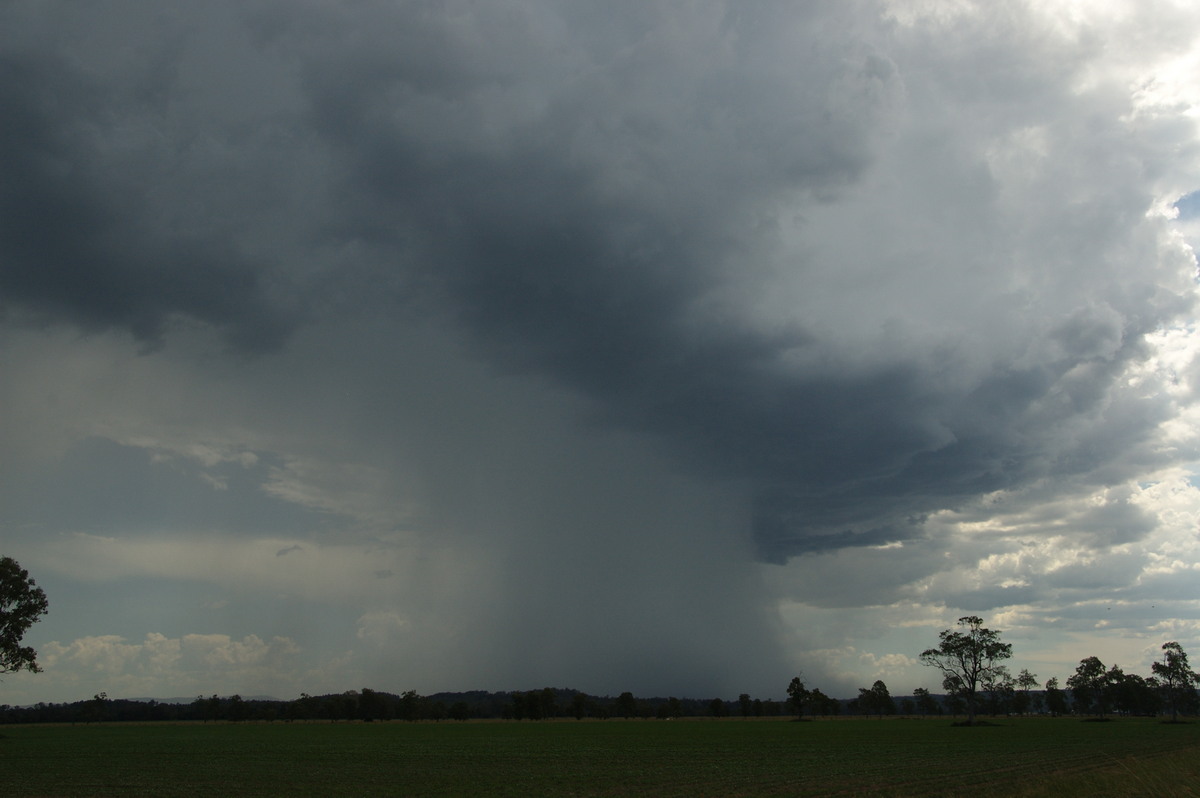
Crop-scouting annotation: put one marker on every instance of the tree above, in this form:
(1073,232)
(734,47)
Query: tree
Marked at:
(876,700)
(884,703)
(998,687)
(409,705)
(371,705)
(97,707)
(1089,685)
(955,703)
(548,701)
(821,704)
(1056,699)
(237,708)
(967,658)
(926,704)
(579,705)
(1176,679)
(798,696)
(1131,694)
(1024,682)
(22,603)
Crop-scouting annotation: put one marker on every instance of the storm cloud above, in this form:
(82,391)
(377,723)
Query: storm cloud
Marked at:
(630,319)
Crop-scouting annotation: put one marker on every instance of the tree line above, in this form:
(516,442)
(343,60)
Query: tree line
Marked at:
(971,660)
(368,705)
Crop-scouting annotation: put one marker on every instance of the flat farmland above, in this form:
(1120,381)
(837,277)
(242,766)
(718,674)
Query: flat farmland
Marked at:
(1026,756)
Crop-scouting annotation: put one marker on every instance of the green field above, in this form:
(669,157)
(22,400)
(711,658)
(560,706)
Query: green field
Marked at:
(1059,757)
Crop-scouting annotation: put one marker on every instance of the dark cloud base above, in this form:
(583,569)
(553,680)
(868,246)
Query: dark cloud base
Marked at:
(603,205)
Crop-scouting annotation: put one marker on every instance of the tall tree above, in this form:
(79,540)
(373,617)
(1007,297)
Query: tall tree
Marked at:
(1175,677)
(1089,685)
(1024,682)
(967,658)
(22,603)
(1056,699)
(876,700)
(798,696)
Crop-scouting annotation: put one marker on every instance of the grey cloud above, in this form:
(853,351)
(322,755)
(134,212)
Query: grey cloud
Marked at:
(523,224)
(610,203)
(566,314)
(73,242)
(102,487)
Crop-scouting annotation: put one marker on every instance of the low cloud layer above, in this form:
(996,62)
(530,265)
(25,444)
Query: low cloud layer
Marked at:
(512,335)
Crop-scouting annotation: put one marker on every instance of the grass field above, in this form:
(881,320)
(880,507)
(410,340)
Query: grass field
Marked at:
(1024,757)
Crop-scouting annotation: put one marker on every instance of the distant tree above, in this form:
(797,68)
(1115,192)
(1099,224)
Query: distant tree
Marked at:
(532,700)
(998,687)
(410,705)
(22,604)
(528,705)
(1176,679)
(306,707)
(1089,685)
(1132,694)
(434,710)
(955,702)
(370,705)
(1024,682)
(1056,699)
(674,707)
(967,658)
(926,704)
(718,708)
(212,708)
(459,710)
(98,707)
(549,702)
(876,700)
(821,704)
(1116,685)
(884,703)
(797,697)
(579,706)
(745,704)
(626,705)
(237,708)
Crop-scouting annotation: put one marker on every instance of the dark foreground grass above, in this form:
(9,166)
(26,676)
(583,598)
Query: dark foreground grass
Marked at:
(1028,757)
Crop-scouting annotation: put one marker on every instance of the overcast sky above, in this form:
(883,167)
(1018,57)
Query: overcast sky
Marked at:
(672,347)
